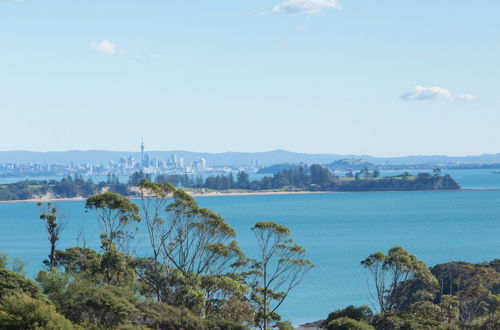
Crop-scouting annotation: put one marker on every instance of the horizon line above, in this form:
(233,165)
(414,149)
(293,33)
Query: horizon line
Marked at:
(253,152)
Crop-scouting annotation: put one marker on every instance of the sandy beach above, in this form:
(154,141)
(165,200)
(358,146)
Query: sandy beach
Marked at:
(207,194)
(257,193)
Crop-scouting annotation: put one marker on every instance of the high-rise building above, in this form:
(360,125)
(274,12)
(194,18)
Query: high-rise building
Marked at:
(142,151)
(123,163)
(173,160)
(131,162)
(146,160)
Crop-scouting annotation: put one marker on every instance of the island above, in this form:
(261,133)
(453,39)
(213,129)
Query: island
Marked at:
(303,178)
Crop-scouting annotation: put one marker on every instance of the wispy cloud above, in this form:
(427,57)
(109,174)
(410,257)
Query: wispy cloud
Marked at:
(105,47)
(422,93)
(141,57)
(305,6)
(466,97)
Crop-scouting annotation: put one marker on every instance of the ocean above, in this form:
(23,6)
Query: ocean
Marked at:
(338,230)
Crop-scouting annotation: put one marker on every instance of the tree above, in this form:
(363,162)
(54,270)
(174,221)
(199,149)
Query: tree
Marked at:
(320,175)
(394,275)
(243,180)
(200,245)
(195,259)
(155,198)
(54,225)
(114,213)
(279,269)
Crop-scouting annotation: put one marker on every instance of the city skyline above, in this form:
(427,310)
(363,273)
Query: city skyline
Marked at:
(387,79)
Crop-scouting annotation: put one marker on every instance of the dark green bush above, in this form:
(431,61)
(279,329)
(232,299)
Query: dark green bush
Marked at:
(345,323)
(24,312)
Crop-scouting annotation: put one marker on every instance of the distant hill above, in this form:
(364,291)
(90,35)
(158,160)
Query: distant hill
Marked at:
(350,164)
(233,158)
(278,168)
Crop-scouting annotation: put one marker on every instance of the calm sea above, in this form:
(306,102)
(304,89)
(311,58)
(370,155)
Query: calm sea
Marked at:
(338,231)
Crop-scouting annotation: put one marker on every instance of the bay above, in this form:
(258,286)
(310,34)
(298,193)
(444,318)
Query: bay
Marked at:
(338,230)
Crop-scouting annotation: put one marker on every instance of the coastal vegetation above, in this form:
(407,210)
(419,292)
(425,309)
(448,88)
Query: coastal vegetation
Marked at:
(299,178)
(406,294)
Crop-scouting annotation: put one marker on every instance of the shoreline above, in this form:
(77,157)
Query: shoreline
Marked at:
(256,193)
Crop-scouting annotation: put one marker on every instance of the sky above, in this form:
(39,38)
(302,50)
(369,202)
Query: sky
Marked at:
(383,78)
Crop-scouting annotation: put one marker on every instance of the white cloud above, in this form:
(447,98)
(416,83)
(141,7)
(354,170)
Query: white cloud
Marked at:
(305,6)
(419,93)
(466,97)
(426,93)
(105,47)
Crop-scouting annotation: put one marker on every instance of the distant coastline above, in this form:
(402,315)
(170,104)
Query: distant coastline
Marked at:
(313,179)
(250,193)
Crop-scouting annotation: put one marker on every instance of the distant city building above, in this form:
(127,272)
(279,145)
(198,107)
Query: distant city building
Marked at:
(131,162)
(146,160)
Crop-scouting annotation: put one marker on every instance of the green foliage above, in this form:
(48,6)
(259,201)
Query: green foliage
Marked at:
(284,325)
(158,315)
(115,268)
(76,260)
(114,212)
(409,321)
(24,312)
(280,268)
(54,225)
(488,322)
(15,283)
(395,277)
(200,274)
(68,187)
(345,323)
(100,306)
(223,325)
(362,313)
(54,285)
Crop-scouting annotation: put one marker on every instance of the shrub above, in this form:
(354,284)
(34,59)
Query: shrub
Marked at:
(223,325)
(24,312)
(345,323)
(102,306)
(158,315)
(361,313)
(15,283)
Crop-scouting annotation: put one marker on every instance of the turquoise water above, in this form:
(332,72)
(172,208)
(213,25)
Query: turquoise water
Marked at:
(338,231)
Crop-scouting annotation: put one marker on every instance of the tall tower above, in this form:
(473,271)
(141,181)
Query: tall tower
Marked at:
(142,151)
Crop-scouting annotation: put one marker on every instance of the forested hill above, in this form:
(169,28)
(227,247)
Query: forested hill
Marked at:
(319,178)
(302,178)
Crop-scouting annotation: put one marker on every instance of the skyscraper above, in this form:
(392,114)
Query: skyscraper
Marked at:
(142,151)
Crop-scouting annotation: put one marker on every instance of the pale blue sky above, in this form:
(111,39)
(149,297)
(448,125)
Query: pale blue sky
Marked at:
(385,78)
